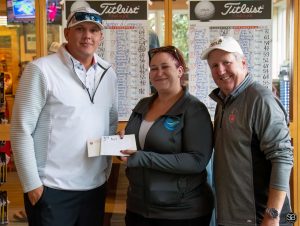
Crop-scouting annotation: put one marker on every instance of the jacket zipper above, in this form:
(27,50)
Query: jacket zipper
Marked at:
(223,109)
(83,85)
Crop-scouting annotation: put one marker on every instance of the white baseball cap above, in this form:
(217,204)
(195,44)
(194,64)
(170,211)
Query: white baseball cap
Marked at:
(225,43)
(84,14)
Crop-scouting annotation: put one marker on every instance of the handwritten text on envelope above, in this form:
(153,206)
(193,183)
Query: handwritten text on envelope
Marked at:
(112,145)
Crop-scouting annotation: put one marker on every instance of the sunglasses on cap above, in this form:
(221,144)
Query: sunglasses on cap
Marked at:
(166,49)
(83,16)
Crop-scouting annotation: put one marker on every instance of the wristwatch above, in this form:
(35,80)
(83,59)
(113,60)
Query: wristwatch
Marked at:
(272,212)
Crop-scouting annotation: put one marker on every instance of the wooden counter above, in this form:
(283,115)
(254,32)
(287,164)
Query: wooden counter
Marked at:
(4,131)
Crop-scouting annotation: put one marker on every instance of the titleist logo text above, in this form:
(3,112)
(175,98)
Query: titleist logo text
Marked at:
(114,8)
(238,8)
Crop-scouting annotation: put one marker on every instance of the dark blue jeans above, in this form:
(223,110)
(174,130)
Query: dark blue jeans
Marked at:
(67,208)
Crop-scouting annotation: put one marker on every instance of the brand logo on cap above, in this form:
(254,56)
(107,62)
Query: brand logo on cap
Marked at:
(217,42)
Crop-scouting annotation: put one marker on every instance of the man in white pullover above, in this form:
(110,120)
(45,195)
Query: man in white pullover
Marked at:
(63,103)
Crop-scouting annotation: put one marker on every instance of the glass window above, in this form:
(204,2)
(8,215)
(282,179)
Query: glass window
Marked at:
(180,23)
(54,22)
(17,47)
(281,64)
(156,18)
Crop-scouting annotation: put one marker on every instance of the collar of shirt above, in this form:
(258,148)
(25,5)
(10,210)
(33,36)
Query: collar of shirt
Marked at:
(87,77)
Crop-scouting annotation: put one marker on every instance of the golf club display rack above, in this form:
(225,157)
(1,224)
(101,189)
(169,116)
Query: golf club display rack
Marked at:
(3,162)
(3,194)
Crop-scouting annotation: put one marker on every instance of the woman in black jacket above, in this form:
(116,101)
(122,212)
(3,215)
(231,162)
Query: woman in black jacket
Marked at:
(167,175)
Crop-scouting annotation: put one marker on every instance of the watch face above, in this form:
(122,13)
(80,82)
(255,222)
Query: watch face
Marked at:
(272,212)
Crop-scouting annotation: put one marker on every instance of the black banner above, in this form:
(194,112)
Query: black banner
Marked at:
(230,10)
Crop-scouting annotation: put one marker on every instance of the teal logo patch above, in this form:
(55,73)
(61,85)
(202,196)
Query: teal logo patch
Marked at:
(171,123)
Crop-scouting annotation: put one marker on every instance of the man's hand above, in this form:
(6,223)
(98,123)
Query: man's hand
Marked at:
(268,221)
(35,195)
(275,200)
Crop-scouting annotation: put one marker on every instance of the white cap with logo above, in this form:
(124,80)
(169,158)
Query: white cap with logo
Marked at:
(225,43)
(84,14)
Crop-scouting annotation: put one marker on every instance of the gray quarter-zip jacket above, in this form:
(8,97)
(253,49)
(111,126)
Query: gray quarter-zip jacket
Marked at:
(253,152)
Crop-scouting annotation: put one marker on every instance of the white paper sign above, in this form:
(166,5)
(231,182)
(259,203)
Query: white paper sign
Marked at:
(112,145)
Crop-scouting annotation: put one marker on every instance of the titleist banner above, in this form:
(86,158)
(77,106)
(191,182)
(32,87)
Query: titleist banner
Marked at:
(230,10)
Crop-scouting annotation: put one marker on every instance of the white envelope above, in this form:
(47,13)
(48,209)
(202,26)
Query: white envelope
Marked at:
(112,145)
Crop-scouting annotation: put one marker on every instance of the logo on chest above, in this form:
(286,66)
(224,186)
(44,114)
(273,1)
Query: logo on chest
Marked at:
(171,123)
(232,115)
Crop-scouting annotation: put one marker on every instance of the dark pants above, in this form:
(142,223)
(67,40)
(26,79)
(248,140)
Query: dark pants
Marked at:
(132,219)
(67,208)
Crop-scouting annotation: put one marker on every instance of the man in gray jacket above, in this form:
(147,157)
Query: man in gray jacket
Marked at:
(253,151)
